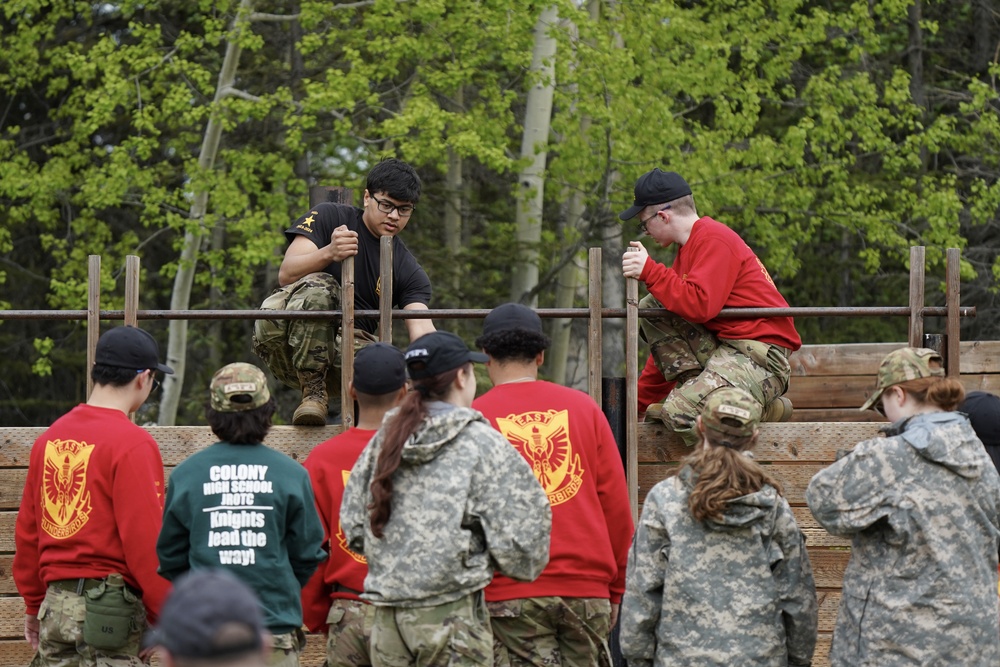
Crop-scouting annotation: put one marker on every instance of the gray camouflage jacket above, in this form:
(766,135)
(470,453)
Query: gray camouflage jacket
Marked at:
(923,508)
(738,591)
(464,503)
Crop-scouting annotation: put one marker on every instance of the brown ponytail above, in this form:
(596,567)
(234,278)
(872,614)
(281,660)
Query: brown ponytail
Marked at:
(399,429)
(723,473)
(943,392)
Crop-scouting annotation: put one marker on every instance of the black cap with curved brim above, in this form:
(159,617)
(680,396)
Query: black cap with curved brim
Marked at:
(129,347)
(656,187)
(438,352)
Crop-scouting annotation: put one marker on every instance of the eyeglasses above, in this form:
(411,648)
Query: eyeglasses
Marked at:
(405,210)
(152,374)
(643,223)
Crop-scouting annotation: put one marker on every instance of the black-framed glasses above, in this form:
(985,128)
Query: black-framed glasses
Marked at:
(404,210)
(643,223)
(152,374)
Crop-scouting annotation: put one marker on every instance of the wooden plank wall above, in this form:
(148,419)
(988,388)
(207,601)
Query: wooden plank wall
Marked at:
(828,384)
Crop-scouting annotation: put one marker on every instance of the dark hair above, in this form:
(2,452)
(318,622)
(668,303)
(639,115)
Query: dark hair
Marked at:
(514,344)
(114,376)
(402,425)
(241,428)
(723,472)
(942,392)
(395,178)
(377,401)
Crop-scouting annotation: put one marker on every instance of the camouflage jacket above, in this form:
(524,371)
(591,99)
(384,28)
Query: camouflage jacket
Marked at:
(464,503)
(738,591)
(923,508)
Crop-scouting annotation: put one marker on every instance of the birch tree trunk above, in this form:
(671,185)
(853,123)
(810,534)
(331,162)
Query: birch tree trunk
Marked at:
(531,181)
(180,298)
(453,211)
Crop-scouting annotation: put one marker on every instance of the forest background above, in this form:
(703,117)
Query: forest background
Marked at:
(831,135)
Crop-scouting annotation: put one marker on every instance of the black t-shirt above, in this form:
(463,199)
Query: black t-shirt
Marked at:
(410,283)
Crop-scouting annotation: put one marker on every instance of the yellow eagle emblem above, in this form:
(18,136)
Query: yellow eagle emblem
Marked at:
(65,498)
(544,441)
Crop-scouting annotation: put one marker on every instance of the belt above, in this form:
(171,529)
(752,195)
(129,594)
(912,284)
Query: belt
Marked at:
(80,585)
(340,588)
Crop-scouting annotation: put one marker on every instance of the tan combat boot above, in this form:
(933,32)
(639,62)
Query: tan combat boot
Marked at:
(312,410)
(778,410)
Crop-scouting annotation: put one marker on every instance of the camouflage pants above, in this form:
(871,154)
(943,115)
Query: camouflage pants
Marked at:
(551,632)
(288,346)
(347,643)
(706,363)
(454,634)
(60,635)
(286,648)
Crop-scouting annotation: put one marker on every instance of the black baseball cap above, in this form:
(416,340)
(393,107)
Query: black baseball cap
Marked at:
(437,352)
(511,317)
(129,347)
(379,368)
(203,604)
(656,187)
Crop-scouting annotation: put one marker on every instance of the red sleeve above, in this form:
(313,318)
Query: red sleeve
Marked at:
(612,490)
(315,595)
(26,571)
(138,503)
(652,387)
(702,289)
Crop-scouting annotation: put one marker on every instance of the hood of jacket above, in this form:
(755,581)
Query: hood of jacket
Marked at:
(741,512)
(444,422)
(946,438)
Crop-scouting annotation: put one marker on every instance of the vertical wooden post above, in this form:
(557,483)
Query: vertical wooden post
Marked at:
(631,392)
(346,341)
(131,297)
(385,290)
(916,296)
(93,314)
(595,328)
(953,293)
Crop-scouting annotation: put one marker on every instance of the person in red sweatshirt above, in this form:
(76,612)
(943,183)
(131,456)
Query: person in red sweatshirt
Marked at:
(330,601)
(564,616)
(85,538)
(693,351)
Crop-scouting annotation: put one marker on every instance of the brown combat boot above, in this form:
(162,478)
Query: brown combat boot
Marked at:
(778,410)
(312,410)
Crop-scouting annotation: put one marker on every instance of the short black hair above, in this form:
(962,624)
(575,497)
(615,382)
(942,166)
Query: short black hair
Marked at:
(395,178)
(241,428)
(114,376)
(514,344)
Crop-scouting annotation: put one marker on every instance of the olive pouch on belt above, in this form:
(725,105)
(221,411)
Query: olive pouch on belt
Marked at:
(111,608)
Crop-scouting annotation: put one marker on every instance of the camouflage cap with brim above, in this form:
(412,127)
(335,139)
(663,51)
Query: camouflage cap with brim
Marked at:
(238,387)
(731,412)
(902,365)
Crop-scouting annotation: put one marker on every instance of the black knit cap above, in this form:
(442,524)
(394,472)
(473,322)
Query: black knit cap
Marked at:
(656,187)
(438,352)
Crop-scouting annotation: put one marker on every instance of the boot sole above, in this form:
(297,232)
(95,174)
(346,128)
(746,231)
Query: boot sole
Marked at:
(309,416)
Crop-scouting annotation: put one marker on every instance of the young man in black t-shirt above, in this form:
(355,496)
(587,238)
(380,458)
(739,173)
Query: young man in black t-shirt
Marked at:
(301,353)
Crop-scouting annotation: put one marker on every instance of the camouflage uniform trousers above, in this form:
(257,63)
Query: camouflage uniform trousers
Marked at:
(551,632)
(286,648)
(454,634)
(60,635)
(288,346)
(705,363)
(349,637)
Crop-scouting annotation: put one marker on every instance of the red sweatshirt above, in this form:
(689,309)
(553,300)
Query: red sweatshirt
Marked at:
(92,505)
(329,465)
(715,269)
(566,440)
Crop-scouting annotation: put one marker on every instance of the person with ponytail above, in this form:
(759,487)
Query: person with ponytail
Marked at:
(436,502)
(922,506)
(718,573)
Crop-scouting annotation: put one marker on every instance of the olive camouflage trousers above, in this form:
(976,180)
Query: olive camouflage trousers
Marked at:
(551,632)
(705,363)
(347,642)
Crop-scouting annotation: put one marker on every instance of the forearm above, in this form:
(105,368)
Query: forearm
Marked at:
(418,327)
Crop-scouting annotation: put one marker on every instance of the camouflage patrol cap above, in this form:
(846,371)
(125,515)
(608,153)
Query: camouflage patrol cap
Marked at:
(238,387)
(730,412)
(902,365)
